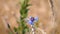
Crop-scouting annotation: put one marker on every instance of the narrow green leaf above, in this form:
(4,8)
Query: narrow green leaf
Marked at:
(15,29)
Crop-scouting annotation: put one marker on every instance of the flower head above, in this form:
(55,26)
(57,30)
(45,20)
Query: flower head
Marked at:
(32,20)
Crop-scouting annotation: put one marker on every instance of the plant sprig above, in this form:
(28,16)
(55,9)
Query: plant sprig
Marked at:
(23,28)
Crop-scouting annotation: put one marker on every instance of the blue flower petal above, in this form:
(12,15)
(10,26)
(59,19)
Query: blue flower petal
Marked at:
(36,19)
(30,22)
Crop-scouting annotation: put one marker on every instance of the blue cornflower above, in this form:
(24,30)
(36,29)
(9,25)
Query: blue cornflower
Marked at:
(32,20)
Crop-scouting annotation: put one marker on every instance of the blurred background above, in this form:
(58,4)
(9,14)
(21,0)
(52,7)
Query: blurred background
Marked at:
(47,11)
